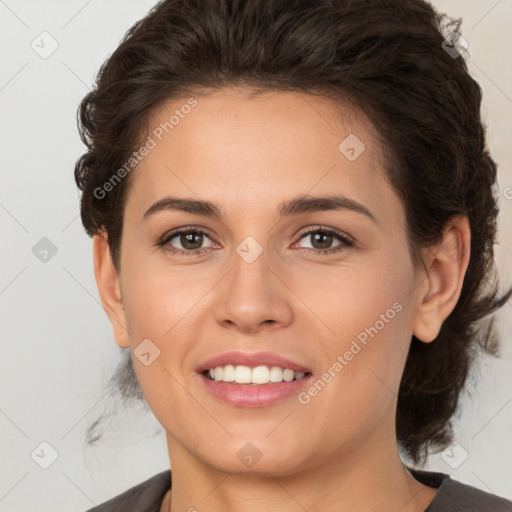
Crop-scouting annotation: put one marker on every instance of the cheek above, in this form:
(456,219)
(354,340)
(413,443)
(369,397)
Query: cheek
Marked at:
(361,296)
(157,297)
(156,307)
(370,319)
(161,304)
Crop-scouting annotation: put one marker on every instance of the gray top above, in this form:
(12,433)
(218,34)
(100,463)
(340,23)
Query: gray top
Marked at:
(452,496)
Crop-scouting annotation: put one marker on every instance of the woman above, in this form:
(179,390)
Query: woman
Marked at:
(293,213)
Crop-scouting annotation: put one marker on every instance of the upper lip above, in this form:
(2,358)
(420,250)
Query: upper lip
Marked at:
(251,359)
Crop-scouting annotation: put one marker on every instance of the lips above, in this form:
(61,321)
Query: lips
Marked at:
(252,360)
(251,396)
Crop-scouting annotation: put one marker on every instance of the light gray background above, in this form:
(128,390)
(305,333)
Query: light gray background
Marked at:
(57,345)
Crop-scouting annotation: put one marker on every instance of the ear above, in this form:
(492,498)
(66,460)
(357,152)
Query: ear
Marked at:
(107,280)
(446,266)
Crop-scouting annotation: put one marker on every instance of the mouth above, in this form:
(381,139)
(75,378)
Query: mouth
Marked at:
(260,386)
(253,376)
(252,379)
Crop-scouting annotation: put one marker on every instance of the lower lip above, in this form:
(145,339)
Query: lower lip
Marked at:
(254,395)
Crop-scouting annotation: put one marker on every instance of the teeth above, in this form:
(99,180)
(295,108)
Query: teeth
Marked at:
(276,374)
(242,374)
(229,373)
(288,375)
(258,375)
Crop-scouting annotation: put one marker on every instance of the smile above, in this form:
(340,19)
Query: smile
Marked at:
(241,374)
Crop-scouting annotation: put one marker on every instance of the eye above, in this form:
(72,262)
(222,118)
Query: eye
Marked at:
(322,238)
(190,239)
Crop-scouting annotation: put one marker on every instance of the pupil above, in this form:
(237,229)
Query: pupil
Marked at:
(326,237)
(188,237)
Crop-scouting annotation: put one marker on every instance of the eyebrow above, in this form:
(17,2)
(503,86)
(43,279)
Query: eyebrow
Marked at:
(297,206)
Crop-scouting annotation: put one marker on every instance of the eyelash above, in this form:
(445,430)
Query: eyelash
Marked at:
(164,241)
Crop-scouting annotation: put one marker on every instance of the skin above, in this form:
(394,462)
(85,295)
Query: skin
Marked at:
(339,451)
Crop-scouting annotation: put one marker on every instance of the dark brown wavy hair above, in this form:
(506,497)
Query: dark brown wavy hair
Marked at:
(386,58)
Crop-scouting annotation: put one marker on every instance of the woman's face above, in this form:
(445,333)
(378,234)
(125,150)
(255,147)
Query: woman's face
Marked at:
(256,281)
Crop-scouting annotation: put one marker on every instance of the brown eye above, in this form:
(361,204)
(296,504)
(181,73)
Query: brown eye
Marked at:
(322,239)
(191,241)
(185,241)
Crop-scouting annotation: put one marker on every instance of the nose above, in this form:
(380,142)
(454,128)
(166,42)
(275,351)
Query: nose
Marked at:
(253,296)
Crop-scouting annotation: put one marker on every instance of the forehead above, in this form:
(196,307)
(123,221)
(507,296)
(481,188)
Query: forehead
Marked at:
(241,151)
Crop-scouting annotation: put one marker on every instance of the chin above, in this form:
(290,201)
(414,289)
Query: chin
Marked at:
(249,459)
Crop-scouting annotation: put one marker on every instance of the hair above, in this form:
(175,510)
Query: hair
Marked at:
(386,58)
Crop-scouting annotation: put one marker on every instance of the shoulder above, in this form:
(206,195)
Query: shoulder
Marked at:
(454,496)
(144,497)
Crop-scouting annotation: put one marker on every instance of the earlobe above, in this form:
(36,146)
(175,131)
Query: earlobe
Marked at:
(446,266)
(107,281)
